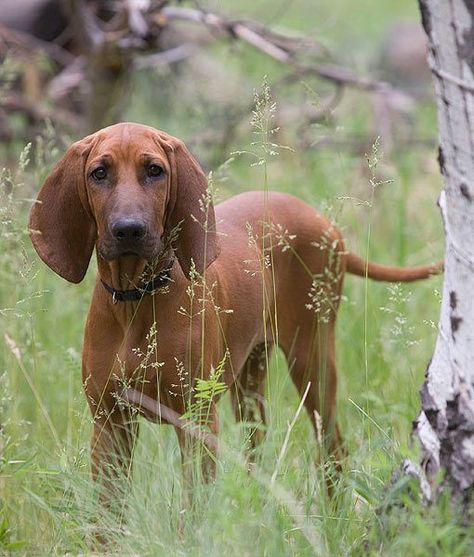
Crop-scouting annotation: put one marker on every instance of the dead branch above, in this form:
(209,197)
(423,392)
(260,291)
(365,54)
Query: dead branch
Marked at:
(18,103)
(12,39)
(114,38)
(279,47)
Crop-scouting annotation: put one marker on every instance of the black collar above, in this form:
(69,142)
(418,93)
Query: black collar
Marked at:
(135,294)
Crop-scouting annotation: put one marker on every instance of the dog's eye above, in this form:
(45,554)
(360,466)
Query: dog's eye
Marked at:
(99,174)
(155,171)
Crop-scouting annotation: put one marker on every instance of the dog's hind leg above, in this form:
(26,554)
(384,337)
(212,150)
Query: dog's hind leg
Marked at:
(311,360)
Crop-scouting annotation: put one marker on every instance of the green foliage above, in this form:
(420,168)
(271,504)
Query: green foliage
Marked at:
(206,391)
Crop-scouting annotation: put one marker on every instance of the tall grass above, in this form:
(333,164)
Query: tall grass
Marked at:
(49,504)
(385,336)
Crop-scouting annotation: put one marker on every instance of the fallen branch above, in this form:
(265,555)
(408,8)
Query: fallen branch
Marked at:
(36,114)
(277,46)
(11,39)
(130,37)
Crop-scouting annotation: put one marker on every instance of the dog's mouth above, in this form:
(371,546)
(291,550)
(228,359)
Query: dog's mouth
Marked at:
(112,250)
(129,253)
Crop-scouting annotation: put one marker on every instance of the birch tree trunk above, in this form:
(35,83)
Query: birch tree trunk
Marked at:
(445,425)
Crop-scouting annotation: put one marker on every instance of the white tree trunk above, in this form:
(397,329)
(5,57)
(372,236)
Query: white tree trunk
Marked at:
(445,425)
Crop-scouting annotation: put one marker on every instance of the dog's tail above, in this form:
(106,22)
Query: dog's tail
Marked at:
(362,268)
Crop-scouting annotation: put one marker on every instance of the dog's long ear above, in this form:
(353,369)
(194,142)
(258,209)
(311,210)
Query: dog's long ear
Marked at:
(61,226)
(190,208)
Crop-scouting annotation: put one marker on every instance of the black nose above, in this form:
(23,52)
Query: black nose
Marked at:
(128,229)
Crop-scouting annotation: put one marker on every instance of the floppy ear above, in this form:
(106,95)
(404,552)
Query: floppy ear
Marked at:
(61,226)
(190,207)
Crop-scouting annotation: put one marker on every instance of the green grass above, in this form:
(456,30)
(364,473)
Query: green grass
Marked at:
(47,500)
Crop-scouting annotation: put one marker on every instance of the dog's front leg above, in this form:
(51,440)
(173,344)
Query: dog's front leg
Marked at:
(112,444)
(198,444)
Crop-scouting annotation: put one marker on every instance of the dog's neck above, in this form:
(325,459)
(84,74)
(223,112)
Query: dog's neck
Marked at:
(130,272)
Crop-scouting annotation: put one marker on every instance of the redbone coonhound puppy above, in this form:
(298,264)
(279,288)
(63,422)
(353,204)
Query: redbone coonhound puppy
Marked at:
(182,290)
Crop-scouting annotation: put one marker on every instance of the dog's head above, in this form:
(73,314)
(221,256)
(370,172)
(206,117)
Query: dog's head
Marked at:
(124,189)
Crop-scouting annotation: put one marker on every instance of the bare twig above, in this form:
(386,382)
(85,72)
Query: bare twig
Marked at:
(71,77)
(276,46)
(15,39)
(167,57)
(19,103)
(129,39)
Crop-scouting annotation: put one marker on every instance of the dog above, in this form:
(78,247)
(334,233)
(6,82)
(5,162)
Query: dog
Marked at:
(187,293)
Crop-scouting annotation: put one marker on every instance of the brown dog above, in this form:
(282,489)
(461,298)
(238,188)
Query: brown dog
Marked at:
(181,291)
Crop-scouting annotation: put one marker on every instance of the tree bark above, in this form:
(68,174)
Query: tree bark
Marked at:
(445,425)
